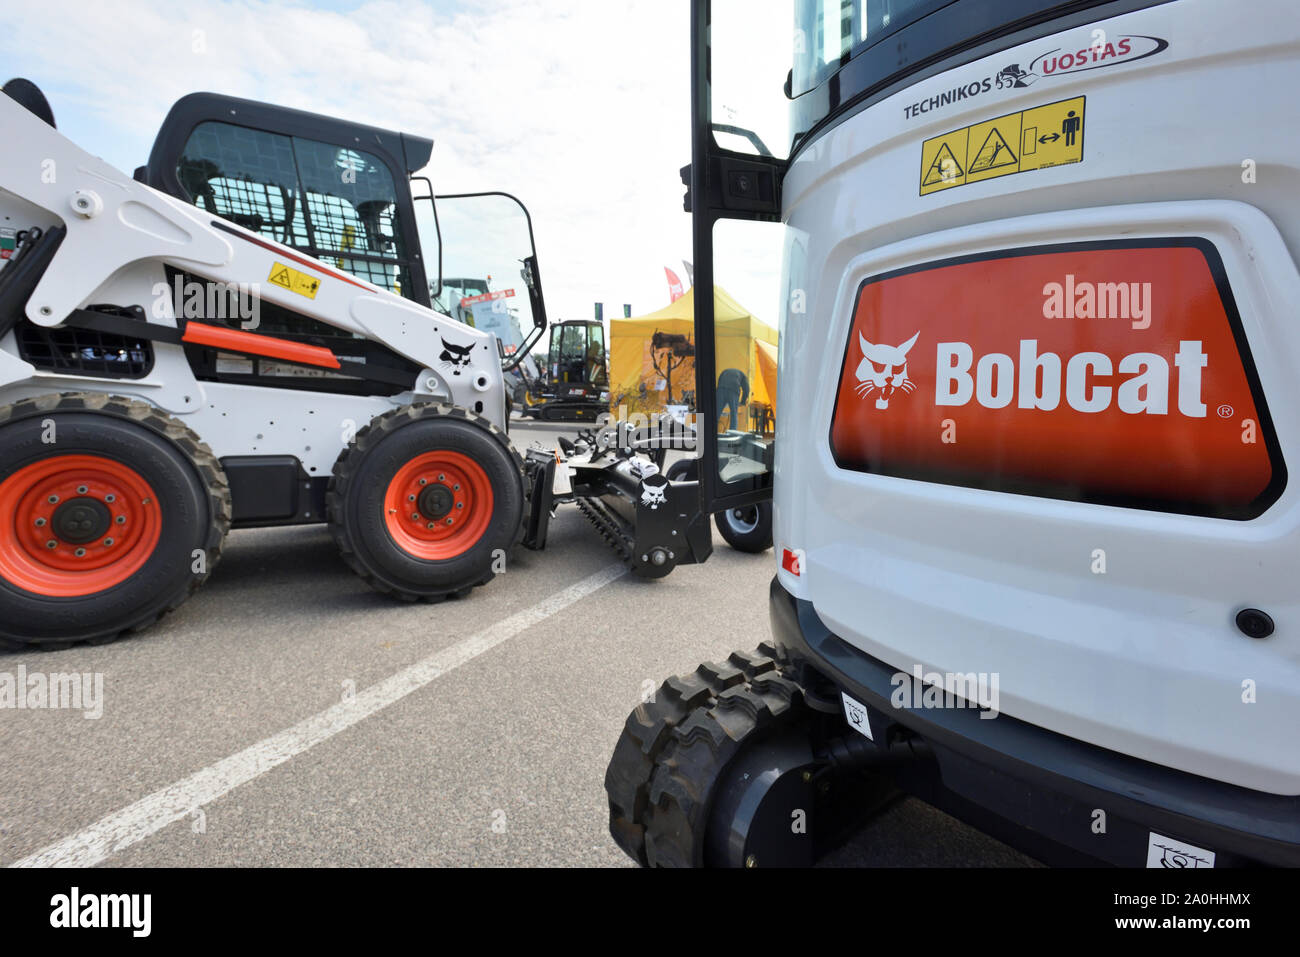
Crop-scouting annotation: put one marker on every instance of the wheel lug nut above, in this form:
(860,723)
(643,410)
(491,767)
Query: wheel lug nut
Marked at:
(51,544)
(450,522)
(108,543)
(81,553)
(40,523)
(460,505)
(442,478)
(415,517)
(121,520)
(410,498)
(455,488)
(53,500)
(82,490)
(432,526)
(424,481)
(110,498)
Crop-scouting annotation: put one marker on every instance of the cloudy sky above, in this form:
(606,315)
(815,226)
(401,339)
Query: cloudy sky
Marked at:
(579,107)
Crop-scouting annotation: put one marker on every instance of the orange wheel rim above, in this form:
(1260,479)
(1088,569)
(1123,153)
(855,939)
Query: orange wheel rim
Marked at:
(438,506)
(75,525)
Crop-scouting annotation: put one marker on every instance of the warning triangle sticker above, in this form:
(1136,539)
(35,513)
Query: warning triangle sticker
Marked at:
(944,168)
(994,154)
(281,278)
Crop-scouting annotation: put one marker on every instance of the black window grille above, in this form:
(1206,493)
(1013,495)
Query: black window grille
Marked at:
(85,352)
(336,204)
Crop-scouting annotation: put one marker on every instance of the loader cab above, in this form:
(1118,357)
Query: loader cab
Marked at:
(352,196)
(337,191)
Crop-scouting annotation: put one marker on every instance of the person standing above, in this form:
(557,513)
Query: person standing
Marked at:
(733,394)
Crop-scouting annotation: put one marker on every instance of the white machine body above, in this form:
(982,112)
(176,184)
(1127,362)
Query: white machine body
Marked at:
(1105,621)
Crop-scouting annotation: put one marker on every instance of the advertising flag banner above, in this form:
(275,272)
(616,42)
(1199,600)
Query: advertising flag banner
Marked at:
(675,288)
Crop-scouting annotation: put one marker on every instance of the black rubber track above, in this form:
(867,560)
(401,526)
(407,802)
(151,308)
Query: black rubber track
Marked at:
(208,471)
(344,475)
(674,747)
(701,748)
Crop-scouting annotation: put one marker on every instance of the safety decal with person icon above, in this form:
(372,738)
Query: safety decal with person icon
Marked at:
(1071,126)
(1033,139)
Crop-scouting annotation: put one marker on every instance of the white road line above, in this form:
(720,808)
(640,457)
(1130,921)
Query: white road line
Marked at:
(151,814)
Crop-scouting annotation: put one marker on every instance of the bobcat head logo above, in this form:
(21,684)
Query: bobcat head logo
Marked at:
(654,491)
(455,356)
(883,370)
(1013,76)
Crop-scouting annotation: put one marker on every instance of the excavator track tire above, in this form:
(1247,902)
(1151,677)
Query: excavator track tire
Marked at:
(658,779)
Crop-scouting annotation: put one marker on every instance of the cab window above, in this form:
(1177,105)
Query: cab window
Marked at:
(335,204)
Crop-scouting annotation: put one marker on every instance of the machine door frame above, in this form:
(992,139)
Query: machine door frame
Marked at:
(531,274)
(722,184)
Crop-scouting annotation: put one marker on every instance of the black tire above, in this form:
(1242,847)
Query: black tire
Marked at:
(747,529)
(684,470)
(652,733)
(362,477)
(192,516)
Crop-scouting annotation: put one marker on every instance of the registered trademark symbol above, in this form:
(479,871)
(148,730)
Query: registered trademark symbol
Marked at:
(1225,412)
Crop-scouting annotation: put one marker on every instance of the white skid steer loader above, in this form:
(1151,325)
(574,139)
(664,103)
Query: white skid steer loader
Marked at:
(135,430)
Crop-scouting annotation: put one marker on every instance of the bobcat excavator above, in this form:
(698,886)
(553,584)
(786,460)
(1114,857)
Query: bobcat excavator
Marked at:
(1036,537)
(241,335)
(574,381)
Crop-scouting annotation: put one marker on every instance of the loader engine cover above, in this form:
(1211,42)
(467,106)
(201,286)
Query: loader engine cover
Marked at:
(1114,373)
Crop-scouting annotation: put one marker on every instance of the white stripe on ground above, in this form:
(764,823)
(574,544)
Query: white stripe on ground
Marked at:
(151,814)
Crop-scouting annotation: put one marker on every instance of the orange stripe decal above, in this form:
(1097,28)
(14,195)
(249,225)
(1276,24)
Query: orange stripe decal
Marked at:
(236,341)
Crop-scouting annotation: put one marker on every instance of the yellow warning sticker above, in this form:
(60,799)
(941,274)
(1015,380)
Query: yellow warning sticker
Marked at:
(1050,135)
(304,284)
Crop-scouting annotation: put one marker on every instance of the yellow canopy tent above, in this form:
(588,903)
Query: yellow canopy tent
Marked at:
(640,374)
(763,383)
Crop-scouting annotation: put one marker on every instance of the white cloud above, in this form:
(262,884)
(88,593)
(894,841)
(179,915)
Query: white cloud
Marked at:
(579,107)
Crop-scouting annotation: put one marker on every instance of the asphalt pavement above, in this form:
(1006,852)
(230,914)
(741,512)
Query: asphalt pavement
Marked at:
(287,715)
